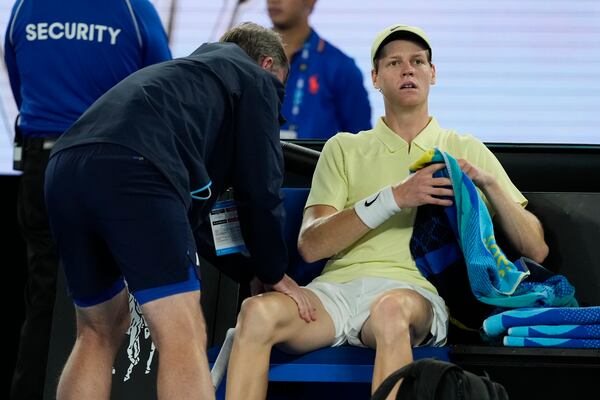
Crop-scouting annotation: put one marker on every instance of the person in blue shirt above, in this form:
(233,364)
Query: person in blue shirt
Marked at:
(324,92)
(62,55)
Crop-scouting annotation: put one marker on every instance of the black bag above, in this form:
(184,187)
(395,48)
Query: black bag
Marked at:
(430,379)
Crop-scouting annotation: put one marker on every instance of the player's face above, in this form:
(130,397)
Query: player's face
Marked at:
(404,74)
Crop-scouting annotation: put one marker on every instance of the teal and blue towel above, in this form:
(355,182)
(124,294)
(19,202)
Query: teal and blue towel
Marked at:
(438,257)
(498,324)
(557,331)
(493,279)
(551,342)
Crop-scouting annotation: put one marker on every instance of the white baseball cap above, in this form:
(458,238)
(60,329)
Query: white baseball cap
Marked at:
(387,35)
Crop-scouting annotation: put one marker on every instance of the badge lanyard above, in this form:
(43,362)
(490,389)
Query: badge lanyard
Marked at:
(298,96)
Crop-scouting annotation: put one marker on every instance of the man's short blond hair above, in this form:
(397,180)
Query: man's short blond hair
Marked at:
(258,42)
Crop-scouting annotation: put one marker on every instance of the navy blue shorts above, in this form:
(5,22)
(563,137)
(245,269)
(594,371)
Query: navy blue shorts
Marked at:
(115,217)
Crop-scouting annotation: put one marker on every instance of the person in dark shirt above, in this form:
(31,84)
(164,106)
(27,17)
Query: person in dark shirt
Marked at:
(134,177)
(61,56)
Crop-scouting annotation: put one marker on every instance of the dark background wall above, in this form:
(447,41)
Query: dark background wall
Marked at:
(13,270)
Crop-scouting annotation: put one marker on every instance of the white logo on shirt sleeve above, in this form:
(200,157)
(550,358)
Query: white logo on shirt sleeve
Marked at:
(71,31)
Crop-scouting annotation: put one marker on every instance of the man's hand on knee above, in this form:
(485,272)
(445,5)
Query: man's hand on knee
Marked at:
(290,288)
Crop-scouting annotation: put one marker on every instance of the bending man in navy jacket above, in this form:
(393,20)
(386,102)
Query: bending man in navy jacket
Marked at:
(61,56)
(128,184)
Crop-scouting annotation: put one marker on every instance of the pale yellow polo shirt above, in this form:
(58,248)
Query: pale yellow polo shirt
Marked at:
(352,167)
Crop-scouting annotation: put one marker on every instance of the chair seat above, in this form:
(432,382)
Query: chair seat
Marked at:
(331,364)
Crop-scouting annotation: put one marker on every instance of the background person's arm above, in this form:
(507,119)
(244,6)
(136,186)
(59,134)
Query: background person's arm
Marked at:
(11,61)
(352,106)
(155,44)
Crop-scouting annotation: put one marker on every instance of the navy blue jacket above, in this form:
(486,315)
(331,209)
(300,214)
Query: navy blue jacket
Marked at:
(207,120)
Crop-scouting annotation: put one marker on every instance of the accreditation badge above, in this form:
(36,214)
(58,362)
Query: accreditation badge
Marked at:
(225,225)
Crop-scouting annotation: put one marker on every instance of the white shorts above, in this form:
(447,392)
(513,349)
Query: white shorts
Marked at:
(349,305)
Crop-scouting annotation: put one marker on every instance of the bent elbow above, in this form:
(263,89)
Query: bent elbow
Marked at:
(307,251)
(306,254)
(540,253)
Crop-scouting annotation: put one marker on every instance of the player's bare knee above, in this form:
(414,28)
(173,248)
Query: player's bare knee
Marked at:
(258,319)
(390,315)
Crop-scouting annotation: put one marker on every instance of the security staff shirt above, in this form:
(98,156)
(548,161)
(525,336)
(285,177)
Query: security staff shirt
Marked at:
(62,55)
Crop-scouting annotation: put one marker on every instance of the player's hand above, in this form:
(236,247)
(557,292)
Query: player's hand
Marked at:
(422,188)
(480,178)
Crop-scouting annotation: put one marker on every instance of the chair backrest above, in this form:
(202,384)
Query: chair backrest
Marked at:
(572,227)
(301,271)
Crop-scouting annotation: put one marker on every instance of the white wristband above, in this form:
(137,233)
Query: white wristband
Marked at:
(377,208)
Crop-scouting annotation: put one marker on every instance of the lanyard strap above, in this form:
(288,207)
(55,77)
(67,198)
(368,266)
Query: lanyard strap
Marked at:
(298,96)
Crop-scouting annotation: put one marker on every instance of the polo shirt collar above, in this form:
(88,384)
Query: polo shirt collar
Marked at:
(312,40)
(425,140)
